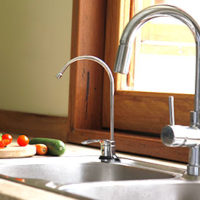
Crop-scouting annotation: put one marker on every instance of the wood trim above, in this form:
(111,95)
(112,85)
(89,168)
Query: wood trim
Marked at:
(34,124)
(149,112)
(136,144)
(86,78)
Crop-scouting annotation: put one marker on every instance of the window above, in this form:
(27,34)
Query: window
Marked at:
(140,105)
(139,116)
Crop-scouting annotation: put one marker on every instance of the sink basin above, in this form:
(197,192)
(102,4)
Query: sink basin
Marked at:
(69,171)
(140,190)
(92,178)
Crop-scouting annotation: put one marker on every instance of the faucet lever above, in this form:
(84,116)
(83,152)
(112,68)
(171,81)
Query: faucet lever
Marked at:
(171,111)
(90,141)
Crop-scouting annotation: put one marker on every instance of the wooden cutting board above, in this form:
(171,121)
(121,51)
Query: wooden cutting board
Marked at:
(16,151)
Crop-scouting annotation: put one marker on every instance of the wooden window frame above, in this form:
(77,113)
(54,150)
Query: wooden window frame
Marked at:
(88,107)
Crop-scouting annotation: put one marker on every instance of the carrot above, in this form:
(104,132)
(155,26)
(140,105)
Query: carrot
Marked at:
(41,149)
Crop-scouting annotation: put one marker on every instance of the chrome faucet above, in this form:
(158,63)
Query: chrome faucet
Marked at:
(171,135)
(107,145)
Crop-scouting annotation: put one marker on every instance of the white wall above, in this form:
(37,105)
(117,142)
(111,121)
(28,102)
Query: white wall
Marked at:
(35,39)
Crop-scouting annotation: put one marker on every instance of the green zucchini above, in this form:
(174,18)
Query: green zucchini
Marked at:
(55,147)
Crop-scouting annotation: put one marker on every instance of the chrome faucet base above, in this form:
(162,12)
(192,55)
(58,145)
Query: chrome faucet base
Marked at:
(184,136)
(107,149)
(193,167)
(193,170)
(106,159)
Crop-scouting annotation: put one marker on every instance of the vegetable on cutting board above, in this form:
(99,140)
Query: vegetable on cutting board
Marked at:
(7,137)
(23,140)
(55,147)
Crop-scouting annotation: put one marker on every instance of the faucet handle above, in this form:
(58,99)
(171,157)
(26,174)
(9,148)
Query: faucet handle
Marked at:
(171,111)
(90,141)
(100,141)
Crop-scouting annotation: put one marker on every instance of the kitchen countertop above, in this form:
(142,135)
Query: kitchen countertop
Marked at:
(12,190)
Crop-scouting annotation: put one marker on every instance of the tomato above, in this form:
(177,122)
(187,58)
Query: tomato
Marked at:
(5,142)
(41,149)
(8,138)
(20,179)
(22,140)
(2,144)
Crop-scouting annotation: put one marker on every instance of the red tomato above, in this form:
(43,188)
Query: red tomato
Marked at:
(8,138)
(5,142)
(22,140)
(2,144)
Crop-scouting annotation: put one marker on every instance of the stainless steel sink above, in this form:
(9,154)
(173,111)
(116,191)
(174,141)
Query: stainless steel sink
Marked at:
(77,175)
(138,190)
(69,170)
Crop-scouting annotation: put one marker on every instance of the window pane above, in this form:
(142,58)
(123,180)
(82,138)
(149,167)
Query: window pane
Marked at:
(165,73)
(165,53)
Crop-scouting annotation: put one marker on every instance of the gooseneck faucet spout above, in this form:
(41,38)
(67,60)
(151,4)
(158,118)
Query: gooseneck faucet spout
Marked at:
(107,146)
(172,135)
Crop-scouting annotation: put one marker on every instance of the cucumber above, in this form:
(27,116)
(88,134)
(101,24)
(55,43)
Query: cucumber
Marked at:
(55,147)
